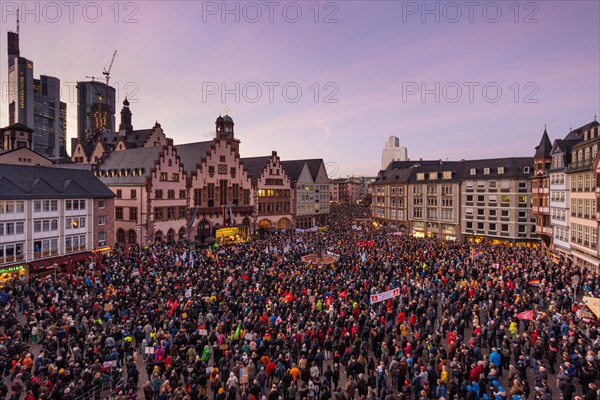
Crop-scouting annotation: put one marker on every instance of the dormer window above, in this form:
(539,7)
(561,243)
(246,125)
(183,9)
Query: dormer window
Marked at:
(473,171)
(526,170)
(501,170)
(486,171)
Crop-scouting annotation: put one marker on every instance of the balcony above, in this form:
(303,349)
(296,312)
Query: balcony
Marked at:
(543,230)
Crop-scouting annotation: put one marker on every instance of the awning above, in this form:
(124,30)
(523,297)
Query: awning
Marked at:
(47,263)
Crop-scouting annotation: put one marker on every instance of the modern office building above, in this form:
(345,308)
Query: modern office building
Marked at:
(36,103)
(96,105)
(392,151)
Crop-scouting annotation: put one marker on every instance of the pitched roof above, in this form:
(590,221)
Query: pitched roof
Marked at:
(17,127)
(255,165)
(130,159)
(543,149)
(28,182)
(294,167)
(190,154)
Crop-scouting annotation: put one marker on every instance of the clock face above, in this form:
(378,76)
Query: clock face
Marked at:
(222,168)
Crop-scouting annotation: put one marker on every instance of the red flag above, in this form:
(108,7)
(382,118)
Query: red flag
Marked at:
(175,304)
(528,315)
(343,294)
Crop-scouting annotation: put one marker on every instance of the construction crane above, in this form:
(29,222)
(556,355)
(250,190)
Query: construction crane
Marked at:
(106,71)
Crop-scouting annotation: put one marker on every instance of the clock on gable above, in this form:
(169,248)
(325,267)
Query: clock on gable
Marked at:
(222,169)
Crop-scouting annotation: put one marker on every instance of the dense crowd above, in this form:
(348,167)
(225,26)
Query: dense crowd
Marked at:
(253,321)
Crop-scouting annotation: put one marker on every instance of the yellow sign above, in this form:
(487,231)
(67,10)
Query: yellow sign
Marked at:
(226,232)
(322,228)
(101,249)
(593,303)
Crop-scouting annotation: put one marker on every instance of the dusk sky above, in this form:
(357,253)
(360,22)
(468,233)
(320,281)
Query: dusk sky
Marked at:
(369,60)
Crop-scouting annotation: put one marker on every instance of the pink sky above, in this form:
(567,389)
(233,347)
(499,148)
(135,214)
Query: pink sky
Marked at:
(367,61)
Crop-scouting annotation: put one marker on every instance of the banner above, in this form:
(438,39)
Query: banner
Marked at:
(377,297)
(528,315)
(593,303)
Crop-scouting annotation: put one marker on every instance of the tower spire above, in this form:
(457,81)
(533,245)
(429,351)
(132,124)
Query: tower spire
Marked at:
(17,20)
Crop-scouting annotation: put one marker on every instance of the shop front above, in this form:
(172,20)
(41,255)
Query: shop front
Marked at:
(418,230)
(449,232)
(19,271)
(63,264)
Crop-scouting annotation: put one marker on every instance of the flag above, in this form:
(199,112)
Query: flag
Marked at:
(527,315)
(535,282)
(154,257)
(555,259)
(206,353)
(193,219)
(224,219)
(363,257)
(343,294)
(173,307)
(238,330)
(189,303)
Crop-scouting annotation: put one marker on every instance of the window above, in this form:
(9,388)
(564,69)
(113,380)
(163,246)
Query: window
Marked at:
(504,227)
(182,194)
(101,204)
(486,171)
(492,227)
(433,176)
(164,176)
(525,170)
(197,197)
(133,193)
(170,194)
(119,193)
(133,213)
(158,213)
(447,175)
(420,176)
(158,194)
(501,170)
(175,177)
(37,206)
(522,199)
(473,171)
(210,188)
(102,220)
(170,212)
(101,238)
(119,213)
(223,191)
(181,212)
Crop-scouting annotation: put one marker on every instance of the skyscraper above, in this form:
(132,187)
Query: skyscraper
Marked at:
(95,109)
(393,152)
(36,102)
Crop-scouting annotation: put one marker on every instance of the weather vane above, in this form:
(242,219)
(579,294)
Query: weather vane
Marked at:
(226,110)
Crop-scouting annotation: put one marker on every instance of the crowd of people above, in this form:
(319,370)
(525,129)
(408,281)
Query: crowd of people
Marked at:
(252,321)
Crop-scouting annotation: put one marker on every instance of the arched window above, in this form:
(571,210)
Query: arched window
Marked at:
(120,235)
(132,236)
(158,237)
(170,235)
(182,233)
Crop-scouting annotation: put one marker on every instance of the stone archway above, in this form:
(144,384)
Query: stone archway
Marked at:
(264,224)
(284,223)
(158,236)
(171,235)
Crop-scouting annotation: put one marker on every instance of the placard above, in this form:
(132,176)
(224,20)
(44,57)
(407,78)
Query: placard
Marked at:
(149,350)
(203,332)
(108,307)
(248,336)
(224,347)
(243,375)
